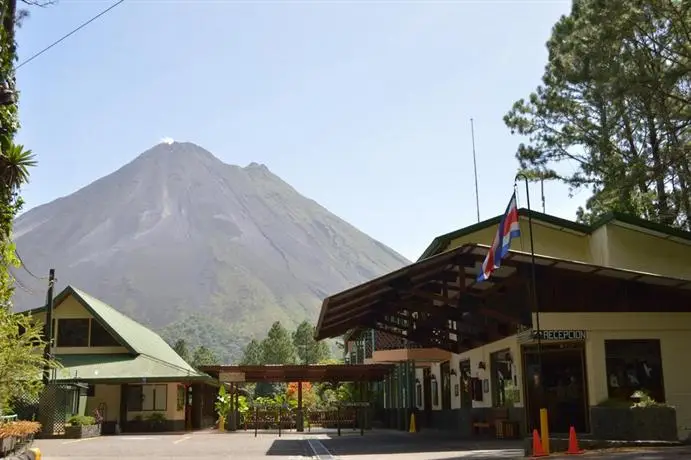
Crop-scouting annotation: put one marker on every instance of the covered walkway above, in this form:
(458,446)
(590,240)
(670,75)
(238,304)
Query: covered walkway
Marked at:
(362,374)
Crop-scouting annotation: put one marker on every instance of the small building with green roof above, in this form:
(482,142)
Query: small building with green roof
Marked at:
(130,375)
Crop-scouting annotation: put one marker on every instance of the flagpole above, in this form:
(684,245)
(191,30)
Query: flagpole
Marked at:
(536,307)
(477,193)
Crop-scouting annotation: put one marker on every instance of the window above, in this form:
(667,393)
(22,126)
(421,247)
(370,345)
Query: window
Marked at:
(634,365)
(73,333)
(100,337)
(155,397)
(134,398)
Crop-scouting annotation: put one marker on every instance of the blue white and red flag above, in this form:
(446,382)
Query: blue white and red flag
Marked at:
(508,229)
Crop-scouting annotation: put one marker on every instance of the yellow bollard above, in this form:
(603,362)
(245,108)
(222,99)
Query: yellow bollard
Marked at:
(37,452)
(221,424)
(412,428)
(544,430)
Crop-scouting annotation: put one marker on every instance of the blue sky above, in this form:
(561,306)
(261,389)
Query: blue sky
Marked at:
(361,106)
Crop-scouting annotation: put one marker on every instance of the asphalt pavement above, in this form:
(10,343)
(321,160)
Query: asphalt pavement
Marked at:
(380,445)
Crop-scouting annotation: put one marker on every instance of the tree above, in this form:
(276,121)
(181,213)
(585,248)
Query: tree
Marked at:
(21,358)
(309,351)
(181,349)
(614,102)
(277,347)
(203,356)
(253,355)
(21,338)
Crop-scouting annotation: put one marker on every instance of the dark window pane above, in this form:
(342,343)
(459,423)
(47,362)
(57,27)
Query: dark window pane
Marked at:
(634,365)
(134,398)
(100,337)
(501,368)
(73,333)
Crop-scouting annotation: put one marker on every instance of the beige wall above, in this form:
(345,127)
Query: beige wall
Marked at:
(639,251)
(548,240)
(475,356)
(72,309)
(110,395)
(610,245)
(483,354)
(672,329)
(405,354)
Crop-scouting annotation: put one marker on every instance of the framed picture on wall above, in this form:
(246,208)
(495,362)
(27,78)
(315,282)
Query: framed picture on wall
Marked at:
(456,390)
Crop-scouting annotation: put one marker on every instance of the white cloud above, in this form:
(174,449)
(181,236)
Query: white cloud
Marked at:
(167,140)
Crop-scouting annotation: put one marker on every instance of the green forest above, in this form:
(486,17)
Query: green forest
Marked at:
(279,346)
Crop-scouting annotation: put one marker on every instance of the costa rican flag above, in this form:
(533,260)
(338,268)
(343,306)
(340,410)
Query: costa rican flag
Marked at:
(507,230)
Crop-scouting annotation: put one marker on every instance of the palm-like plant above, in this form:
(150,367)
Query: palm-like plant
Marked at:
(14,166)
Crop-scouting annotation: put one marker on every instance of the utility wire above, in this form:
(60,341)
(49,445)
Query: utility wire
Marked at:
(21,286)
(21,261)
(74,31)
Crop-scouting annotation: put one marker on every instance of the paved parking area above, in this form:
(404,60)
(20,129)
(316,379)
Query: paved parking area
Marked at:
(290,446)
(197,446)
(385,445)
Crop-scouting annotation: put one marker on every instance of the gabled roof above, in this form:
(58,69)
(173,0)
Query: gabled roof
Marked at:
(136,338)
(440,243)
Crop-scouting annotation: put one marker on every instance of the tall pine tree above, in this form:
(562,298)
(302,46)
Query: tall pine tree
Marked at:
(277,347)
(309,351)
(614,104)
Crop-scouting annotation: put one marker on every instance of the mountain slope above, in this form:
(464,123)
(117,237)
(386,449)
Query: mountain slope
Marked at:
(191,245)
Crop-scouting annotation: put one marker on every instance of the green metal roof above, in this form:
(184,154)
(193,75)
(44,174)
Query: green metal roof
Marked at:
(441,243)
(150,355)
(121,367)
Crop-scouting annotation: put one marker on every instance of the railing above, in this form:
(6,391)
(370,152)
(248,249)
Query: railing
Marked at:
(269,419)
(343,418)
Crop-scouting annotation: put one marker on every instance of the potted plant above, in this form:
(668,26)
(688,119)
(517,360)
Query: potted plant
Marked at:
(82,426)
(222,407)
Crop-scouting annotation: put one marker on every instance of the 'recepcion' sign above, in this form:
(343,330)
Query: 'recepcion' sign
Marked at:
(560,334)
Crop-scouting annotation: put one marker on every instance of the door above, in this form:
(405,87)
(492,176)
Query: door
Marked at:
(561,389)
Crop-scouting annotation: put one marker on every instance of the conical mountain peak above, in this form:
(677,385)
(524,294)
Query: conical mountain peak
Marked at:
(176,237)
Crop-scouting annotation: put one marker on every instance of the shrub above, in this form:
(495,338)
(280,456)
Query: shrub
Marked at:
(81,420)
(157,417)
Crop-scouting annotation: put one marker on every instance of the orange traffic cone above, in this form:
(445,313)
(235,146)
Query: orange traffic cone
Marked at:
(538,451)
(573,443)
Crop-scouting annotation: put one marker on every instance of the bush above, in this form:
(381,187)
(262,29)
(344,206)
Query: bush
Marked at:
(81,420)
(157,417)
(18,429)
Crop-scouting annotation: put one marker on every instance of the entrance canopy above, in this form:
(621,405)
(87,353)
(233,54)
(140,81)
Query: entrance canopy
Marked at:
(437,302)
(300,373)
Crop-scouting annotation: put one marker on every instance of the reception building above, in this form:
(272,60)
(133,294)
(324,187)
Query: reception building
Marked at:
(614,303)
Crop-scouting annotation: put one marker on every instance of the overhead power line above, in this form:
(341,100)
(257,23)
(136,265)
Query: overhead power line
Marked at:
(26,269)
(69,34)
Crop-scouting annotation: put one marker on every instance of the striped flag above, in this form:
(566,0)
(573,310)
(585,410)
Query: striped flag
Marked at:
(507,230)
